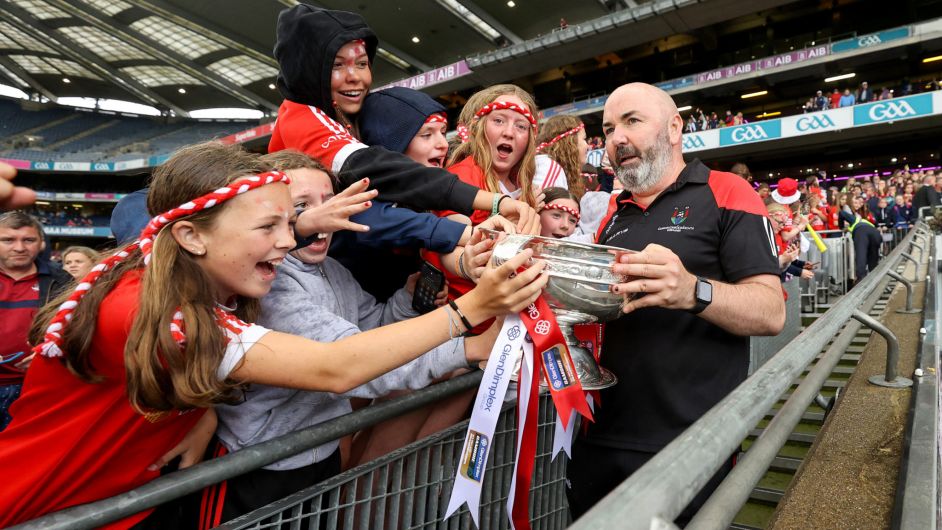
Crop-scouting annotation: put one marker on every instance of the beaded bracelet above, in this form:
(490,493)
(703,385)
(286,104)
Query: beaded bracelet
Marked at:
(461,269)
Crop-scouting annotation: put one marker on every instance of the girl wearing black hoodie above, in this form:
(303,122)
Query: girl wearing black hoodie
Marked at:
(312,46)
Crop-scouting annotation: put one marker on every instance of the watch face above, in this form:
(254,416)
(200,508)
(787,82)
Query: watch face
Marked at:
(704,291)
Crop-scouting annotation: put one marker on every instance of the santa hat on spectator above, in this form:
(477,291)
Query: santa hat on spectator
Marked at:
(787,191)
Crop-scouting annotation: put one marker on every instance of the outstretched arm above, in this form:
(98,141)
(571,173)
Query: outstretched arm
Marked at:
(280,359)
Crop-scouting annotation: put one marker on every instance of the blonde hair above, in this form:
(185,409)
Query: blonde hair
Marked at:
(565,151)
(160,374)
(478,148)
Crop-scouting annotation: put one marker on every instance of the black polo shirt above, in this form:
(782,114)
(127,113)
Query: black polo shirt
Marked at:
(673,366)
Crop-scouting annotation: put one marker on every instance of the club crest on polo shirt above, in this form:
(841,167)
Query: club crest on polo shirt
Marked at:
(679,216)
(678,219)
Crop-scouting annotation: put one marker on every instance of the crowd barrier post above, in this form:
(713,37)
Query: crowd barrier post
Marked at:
(890,379)
(909,292)
(915,266)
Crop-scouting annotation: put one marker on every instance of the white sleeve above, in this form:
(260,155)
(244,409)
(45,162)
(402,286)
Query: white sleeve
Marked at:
(241,339)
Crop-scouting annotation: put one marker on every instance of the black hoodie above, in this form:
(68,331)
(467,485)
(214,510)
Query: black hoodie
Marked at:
(308,39)
(307,42)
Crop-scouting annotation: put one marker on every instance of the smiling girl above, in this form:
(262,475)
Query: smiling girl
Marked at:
(160,333)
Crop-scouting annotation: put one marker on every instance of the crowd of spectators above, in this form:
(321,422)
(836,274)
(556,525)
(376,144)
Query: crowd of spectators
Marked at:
(873,209)
(703,121)
(51,216)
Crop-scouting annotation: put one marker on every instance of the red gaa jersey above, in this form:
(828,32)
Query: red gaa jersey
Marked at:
(73,442)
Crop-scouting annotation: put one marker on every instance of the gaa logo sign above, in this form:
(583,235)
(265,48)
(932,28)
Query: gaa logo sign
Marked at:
(693,141)
(869,40)
(749,134)
(813,123)
(891,110)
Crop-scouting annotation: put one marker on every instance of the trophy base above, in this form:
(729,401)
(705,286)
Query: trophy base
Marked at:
(604,380)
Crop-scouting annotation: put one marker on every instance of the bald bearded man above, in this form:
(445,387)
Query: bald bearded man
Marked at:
(705,279)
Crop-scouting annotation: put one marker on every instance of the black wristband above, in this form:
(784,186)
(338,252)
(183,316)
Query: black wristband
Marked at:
(464,321)
(502,197)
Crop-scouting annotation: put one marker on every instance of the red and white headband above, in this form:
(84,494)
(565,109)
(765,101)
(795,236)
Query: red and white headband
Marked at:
(506,105)
(571,211)
(438,117)
(463,134)
(52,341)
(559,137)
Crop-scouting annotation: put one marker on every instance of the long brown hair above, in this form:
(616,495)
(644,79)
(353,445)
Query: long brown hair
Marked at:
(160,374)
(564,151)
(478,148)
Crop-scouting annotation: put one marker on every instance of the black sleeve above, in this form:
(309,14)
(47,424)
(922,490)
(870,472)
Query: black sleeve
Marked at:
(401,180)
(747,247)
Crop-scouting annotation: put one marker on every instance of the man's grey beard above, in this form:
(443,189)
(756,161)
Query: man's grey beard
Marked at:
(648,172)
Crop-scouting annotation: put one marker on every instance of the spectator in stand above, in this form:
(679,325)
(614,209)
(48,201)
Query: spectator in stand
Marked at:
(738,119)
(883,216)
(78,261)
(906,88)
(691,124)
(848,99)
(835,99)
(903,210)
(27,282)
(764,192)
(817,212)
(562,152)
(864,93)
(820,101)
(742,170)
(886,93)
(728,120)
(926,195)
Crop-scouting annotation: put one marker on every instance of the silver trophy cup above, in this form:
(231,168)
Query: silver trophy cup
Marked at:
(578,291)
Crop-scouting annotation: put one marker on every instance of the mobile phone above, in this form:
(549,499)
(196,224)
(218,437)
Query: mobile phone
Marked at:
(431,282)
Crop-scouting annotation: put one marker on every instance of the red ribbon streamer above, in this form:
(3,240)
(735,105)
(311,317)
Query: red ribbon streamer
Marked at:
(549,346)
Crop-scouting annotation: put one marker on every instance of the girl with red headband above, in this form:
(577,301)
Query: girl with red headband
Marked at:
(500,125)
(130,363)
(560,215)
(562,150)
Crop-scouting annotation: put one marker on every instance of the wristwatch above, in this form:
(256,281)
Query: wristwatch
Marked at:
(703,295)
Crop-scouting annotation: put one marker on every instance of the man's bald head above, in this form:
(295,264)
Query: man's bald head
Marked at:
(644,94)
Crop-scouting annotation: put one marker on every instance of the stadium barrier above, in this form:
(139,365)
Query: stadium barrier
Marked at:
(657,493)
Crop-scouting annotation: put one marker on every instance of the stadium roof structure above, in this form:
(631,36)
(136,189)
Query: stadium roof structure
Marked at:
(183,55)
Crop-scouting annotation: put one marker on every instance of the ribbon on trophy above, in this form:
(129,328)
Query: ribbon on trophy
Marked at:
(487,407)
(528,396)
(548,354)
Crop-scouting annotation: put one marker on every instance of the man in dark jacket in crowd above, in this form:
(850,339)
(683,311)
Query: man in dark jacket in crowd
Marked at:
(926,195)
(27,282)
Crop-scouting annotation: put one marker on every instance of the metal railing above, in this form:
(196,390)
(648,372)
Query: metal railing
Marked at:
(657,493)
(917,494)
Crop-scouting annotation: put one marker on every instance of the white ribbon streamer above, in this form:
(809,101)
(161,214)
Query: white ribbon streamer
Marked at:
(487,405)
(563,435)
(523,404)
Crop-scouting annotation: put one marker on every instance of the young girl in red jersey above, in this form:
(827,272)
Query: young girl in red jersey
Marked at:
(127,372)
(498,131)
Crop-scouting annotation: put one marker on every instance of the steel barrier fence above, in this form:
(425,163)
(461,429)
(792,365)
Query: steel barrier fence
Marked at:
(410,487)
(656,494)
(917,495)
